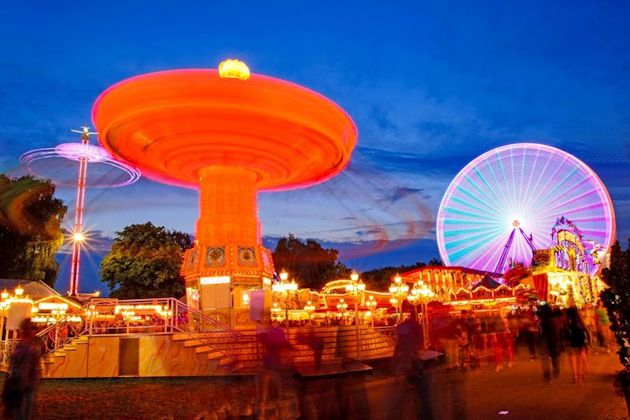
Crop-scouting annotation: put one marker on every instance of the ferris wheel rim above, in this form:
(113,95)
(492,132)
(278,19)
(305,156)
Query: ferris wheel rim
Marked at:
(600,187)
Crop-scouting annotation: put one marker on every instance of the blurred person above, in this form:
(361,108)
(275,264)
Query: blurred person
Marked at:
(550,341)
(463,345)
(560,326)
(588,316)
(450,343)
(408,343)
(529,331)
(514,326)
(502,344)
(577,341)
(410,395)
(468,322)
(24,374)
(478,344)
(314,342)
(274,342)
(604,334)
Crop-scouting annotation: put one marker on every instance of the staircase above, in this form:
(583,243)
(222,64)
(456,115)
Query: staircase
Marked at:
(233,353)
(340,342)
(236,353)
(57,363)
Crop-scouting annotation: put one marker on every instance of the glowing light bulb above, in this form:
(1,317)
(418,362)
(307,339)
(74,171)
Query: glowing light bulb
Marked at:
(233,69)
(78,237)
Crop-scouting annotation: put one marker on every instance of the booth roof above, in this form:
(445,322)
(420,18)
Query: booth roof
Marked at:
(35,289)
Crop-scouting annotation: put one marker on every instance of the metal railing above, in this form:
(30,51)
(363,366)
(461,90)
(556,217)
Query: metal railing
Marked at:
(159,315)
(60,333)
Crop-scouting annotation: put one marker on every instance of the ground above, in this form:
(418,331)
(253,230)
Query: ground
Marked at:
(482,393)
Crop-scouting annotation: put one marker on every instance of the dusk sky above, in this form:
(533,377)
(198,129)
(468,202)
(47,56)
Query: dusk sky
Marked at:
(429,86)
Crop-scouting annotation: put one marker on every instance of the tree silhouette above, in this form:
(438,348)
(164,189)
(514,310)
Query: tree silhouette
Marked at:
(307,262)
(30,229)
(145,261)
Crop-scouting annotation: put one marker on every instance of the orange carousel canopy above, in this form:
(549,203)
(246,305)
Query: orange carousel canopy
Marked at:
(172,124)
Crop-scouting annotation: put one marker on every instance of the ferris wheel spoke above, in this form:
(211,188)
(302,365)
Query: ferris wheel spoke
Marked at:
(496,181)
(468,238)
(475,186)
(558,184)
(547,182)
(485,182)
(522,178)
(529,199)
(595,233)
(468,204)
(567,204)
(468,214)
(474,245)
(482,256)
(458,232)
(513,189)
(568,191)
(492,255)
(587,207)
(565,190)
(504,184)
(472,196)
(590,220)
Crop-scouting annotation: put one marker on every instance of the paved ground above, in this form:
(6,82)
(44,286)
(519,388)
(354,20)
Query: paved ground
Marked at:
(478,394)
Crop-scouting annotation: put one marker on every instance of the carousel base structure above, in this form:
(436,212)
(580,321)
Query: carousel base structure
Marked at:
(211,353)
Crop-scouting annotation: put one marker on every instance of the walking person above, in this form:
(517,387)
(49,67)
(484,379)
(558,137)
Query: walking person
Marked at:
(577,340)
(24,374)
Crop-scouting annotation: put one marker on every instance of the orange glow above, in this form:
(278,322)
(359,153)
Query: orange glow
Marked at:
(172,124)
(199,129)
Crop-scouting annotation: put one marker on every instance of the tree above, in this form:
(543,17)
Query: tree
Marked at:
(617,299)
(308,263)
(30,229)
(145,261)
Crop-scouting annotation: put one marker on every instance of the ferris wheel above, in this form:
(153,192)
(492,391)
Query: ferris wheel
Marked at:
(504,204)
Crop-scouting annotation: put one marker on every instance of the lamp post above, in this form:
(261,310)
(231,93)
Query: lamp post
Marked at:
(371,305)
(355,289)
(285,288)
(423,293)
(342,307)
(399,291)
(4,304)
(414,299)
(309,308)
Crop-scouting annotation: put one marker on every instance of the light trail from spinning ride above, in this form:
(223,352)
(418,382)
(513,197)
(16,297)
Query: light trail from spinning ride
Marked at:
(52,163)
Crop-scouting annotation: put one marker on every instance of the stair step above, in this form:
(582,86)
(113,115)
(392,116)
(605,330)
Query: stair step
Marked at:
(215,355)
(225,361)
(195,335)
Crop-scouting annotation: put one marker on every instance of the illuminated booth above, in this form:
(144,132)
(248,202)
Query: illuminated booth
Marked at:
(562,274)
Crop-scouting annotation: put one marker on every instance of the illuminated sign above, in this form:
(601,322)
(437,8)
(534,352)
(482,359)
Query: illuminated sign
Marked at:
(215,280)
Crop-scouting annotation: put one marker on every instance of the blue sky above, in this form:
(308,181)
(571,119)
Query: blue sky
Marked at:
(429,85)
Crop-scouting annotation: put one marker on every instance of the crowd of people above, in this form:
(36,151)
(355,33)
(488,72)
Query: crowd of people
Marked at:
(470,339)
